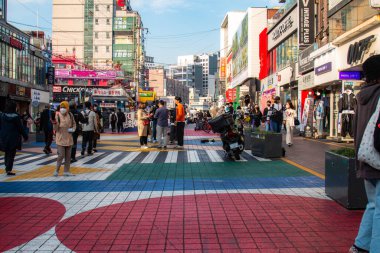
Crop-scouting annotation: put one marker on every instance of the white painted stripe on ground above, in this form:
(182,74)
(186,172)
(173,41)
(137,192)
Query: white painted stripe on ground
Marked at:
(45,160)
(29,159)
(192,156)
(128,159)
(86,159)
(150,157)
(214,157)
(16,158)
(106,159)
(172,157)
(260,159)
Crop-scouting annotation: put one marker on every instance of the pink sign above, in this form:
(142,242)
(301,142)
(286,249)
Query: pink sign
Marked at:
(66,73)
(62,73)
(83,73)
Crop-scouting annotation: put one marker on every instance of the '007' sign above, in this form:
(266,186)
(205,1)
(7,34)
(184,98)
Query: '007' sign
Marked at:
(357,50)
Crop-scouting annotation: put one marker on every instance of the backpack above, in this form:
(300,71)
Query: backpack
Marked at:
(113,117)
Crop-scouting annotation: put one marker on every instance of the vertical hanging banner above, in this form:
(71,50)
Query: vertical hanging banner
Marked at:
(306,32)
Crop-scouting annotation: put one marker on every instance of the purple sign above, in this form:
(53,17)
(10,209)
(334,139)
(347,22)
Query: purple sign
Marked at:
(350,75)
(323,69)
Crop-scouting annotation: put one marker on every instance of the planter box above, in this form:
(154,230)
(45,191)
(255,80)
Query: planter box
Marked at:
(341,183)
(268,145)
(247,138)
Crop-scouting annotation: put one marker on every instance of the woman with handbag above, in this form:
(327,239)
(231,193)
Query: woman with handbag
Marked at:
(11,131)
(143,125)
(289,122)
(64,126)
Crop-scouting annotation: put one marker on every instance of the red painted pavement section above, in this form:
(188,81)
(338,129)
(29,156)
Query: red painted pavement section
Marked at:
(212,223)
(23,219)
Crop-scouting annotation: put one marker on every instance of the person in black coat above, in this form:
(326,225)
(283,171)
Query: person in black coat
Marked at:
(11,131)
(79,119)
(46,125)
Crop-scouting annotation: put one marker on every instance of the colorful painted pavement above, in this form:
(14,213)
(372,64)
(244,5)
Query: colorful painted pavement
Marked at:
(123,199)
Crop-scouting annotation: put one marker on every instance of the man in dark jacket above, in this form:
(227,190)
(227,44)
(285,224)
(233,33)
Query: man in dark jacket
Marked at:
(368,239)
(47,127)
(79,120)
(11,130)
(120,121)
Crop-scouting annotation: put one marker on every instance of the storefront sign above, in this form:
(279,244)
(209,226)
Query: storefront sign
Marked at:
(64,73)
(94,91)
(108,92)
(20,91)
(231,95)
(325,68)
(306,23)
(39,96)
(263,53)
(306,63)
(285,28)
(13,42)
(223,66)
(350,75)
(357,50)
(306,81)
(51,75)
(108,105)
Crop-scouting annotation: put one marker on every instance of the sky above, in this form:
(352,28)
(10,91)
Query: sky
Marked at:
(176,27)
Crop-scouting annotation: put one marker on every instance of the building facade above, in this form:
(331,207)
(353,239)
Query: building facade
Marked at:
(189,75)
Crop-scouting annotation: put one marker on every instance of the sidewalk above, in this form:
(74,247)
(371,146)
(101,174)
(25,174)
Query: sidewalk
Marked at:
(124,199)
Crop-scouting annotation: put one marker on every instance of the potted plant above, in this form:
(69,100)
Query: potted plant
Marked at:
(341,183)
(266,144)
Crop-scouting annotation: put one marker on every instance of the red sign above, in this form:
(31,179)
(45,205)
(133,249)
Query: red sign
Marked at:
(121,3)
(263,53)
(57,89)
(13,42)
(231,95)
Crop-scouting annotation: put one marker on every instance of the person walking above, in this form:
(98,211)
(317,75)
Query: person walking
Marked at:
(143,125)
(27,121)
(113,120)
(256,116)
(173,128)
(64,126)
(11,131)
(88,129)
(276,115)
(46,126)
(79,120)
(154,121)
(289,117)
(96,132)
(120,121)
(368,238)
(162,116)
(180,121)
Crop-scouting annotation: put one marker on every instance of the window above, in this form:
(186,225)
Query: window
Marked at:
(96,21)
(96,48)
(108,35)
(97,7)
(108,21)
(107,49)
(108,8)
(96,35)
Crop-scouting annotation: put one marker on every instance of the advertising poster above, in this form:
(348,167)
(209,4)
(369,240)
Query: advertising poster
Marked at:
(240,48)
(307,116)
(265,96)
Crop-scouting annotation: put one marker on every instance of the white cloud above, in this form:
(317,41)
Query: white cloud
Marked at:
(159,6)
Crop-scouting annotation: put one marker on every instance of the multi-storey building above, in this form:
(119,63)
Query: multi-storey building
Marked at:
(23,67)
(189,75)
(100,33)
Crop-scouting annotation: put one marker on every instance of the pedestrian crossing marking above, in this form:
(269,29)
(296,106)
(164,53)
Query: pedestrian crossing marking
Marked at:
(48,170)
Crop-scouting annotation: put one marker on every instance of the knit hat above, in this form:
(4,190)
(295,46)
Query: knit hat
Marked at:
(64,104)
(371,68)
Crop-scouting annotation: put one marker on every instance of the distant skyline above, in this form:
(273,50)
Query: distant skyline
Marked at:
(176,27)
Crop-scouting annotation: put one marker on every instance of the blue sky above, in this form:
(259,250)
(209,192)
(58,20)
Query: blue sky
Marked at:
(163,18)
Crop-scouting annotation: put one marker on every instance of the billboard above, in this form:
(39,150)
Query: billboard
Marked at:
(240,49)
(306,23)
(122,51)
(123,23)
(223,66)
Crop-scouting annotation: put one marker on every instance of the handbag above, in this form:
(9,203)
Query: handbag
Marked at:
(296,122)
(146,122)
(376,135)
(367,152)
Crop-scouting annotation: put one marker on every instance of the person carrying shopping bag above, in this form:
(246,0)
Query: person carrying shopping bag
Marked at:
(64,126)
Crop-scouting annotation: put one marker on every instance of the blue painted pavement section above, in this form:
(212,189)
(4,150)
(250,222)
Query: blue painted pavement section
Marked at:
(161,185)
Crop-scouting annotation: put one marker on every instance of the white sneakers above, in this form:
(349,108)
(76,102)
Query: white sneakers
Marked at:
(144,147)
(65,174)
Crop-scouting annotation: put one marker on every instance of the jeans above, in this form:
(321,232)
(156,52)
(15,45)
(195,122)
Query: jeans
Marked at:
(144,140)
(154,130)
(267,126)
(162,133)
(180,133)
(120,127)
(48,139)
(74,147)
(275,126)
(9,158)
(88,137)
(369,232)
